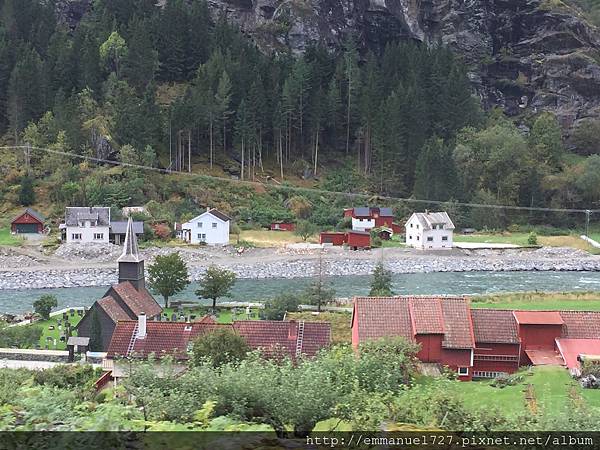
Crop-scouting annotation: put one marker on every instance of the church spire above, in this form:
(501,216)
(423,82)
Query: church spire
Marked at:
(131,252)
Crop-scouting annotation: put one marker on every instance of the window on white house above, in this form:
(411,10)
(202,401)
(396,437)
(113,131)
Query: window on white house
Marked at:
(202,236)
(98,236)
(444,238)
(411,225)
(214,224)
(76,236)
(463,371)
(429,238)
(417,226)
(417,238)
(199,224)
(410,238)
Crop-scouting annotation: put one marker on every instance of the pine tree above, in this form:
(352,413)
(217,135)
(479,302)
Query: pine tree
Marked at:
(141,62)
(381,285)
(26,194)
(351,77)
(223,106)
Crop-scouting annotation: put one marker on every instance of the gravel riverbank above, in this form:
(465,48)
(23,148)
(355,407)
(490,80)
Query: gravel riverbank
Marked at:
(73,267)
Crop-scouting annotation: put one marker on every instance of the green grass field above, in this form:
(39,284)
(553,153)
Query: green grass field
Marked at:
(552,386)
(581,301)
(8,239)
(494,238)
(595,236)
(224,315)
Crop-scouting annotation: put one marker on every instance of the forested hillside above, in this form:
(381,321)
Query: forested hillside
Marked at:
(175,88)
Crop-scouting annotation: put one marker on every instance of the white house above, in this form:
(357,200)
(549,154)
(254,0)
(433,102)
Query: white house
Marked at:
(210,227)
(85,225)
(429,230)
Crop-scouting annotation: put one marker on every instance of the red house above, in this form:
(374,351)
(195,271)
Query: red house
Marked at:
(332,237)
(442,326)
(366,218)
(29,221)
(358,239)
(283,226)
(502,340)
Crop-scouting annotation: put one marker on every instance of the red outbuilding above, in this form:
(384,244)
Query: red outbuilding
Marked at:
(332,237)
(283,226)
(358,239)
(29,221)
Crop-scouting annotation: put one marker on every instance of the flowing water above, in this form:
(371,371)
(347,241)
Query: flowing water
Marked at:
(449,283)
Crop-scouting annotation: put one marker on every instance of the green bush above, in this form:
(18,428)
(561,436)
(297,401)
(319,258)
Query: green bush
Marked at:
(532,239)
(276,308)
(66,376)
(19,336)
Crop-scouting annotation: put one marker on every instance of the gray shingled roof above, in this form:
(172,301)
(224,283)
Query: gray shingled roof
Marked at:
(120,227)
(429,218)
(362,211)
(97,213)
(386,212)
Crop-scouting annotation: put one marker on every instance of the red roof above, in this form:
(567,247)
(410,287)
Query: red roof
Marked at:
(273,337)
(538,318)
(174,338)
(581,324)
(570,349)
(377,317)
(137,301)
(496,326)
(162,338)
(544,358)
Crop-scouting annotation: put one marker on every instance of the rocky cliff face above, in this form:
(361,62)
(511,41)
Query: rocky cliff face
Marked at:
(525,55)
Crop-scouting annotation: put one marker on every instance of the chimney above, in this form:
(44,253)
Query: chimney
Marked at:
(141,333)
(207,208)
(426,211)
(293,330)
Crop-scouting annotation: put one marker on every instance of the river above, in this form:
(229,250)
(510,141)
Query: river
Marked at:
(449,283)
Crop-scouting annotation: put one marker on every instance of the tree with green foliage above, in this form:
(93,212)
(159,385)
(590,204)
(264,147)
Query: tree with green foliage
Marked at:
(221,346)
(113,51)
(305,229)
(216,283)
(381,284)
(26,194)
(43,306)
(318,293)
(168,275)
(95,332)
(19,337)
(276,308)
(545,140)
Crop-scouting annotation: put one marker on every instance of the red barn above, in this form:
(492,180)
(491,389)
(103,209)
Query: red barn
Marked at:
(538,331)
(29,221)
(442,327)
(332,237)
(497,344)
(358,239)
(283,226)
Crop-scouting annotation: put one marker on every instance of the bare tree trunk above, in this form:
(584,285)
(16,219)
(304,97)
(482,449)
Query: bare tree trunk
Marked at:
(211,146)
(190,150)
(242,173)
(281,154)
(348,116)
(316,151)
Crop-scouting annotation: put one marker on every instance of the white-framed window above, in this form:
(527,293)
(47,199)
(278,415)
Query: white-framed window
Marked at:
(199,224)
(463,371)
(98,236)
(214,224)
(444,238)
(202,236)
(411,225)
(76,236)
(417,226)
(429,238)
(487,374)
(410,238)
(418,238)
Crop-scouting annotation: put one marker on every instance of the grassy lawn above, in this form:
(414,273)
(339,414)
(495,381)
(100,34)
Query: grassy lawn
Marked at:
(55,333)
(494,238)
(595,236)
(8,239)
(340,323)
(552,387)
(224,315)
(268,238)
(583,301)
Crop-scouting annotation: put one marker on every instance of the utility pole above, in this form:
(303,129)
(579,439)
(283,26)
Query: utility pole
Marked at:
(587,222)
(28,158)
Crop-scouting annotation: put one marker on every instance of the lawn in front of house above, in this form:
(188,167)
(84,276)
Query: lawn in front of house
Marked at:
(553,390)
(581,301)
(494,238)
(6,238)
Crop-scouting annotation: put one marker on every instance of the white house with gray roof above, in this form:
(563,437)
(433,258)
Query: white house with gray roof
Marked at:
(210,227)
(429,231)
(86,225)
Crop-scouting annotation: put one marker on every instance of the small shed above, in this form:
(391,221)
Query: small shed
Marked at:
(283,226)
(358,239)
(77,344)
(332,237)
(29,221)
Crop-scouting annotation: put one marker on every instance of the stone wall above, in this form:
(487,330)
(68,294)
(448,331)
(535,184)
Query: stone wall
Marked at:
(34,355)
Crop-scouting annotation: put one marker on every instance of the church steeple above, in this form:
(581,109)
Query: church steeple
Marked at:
(131,264)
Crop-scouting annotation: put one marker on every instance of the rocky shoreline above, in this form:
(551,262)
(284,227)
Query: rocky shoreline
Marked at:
(340,264)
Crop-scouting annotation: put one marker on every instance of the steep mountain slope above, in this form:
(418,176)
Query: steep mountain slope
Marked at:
(525,55)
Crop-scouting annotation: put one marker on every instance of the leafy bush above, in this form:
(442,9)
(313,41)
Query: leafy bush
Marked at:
(219,347)
(43,306)
(276,308)
(532,239)
(66,376)
(503,380)
(19,336)
(590,368)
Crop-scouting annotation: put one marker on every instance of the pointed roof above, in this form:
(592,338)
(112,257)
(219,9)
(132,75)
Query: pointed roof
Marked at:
(131,252)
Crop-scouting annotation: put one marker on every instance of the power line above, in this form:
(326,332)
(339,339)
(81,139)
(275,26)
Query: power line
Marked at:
(300,188)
